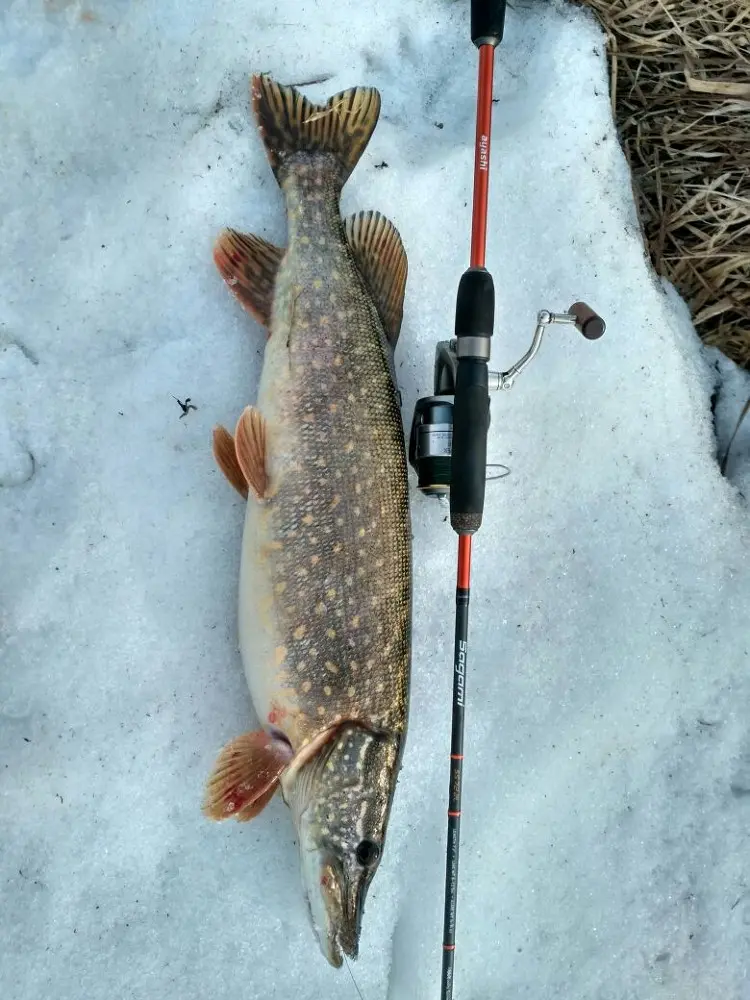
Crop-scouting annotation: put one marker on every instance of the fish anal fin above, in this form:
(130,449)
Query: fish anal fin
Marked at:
(250,450)
(225,454)
(381,259)
(249,265)
(290,124)
(246,776)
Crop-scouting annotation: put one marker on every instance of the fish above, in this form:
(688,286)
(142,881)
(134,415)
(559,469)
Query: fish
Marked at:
(325,581)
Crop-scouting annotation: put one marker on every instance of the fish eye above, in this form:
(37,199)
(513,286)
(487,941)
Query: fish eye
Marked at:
(367,853)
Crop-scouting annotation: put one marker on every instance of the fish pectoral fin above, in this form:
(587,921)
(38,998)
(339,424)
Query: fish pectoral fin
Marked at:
(249,265)
(225,454)
(250,450)
(381,259)
(246,776)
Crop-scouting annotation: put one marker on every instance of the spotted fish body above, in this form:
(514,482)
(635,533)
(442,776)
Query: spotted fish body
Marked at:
(325,579)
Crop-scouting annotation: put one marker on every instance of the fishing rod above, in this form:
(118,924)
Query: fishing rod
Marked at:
(448,439)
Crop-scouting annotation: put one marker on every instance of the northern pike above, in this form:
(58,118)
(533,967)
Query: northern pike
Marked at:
(325,577)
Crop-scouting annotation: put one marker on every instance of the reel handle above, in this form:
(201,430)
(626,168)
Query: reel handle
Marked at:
(475,318)
(487,22)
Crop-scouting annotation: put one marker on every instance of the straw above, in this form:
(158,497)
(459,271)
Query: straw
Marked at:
(680,88)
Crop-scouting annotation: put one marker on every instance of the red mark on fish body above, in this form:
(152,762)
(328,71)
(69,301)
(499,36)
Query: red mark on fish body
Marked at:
(276,715)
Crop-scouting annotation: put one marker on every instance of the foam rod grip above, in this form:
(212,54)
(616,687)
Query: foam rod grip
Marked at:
(471,421)
(487,21)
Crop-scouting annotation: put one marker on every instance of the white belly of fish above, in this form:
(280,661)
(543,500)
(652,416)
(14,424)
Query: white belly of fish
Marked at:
(256,621)
(261,645)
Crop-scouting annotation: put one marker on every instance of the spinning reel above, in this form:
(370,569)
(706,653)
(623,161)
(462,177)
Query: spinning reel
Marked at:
(431,437)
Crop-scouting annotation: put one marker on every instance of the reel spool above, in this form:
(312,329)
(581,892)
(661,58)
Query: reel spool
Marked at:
(431,437)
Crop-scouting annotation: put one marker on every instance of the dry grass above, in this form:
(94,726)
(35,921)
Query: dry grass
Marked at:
(680,86)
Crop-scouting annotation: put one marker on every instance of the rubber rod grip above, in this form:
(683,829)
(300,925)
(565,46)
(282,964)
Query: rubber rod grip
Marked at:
(471,421)
(475,304)
(487,22)
(589,323)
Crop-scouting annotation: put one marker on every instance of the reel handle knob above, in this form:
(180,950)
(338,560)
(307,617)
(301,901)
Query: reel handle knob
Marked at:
(589,323)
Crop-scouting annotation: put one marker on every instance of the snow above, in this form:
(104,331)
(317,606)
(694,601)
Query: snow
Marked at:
(607,780)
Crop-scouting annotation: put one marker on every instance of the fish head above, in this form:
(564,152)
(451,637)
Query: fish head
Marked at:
(341,801)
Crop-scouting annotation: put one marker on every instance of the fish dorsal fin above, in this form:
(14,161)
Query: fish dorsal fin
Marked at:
(289,123)
(225,453)
(381,258)
(249,266)
(245,776)
(250,449)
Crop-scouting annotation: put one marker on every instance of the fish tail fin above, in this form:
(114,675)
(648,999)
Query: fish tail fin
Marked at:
(290,124)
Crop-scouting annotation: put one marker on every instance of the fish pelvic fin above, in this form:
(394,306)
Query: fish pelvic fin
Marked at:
(249,265)
(242,456)
(381,259)
(250,450)
(246,776)
(290,124)
(225,454)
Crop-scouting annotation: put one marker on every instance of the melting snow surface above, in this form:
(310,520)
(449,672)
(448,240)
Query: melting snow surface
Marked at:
(607,788)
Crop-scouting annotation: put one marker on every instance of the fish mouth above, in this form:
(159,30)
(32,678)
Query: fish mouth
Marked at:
(341,941)
(333,950)
(336,910)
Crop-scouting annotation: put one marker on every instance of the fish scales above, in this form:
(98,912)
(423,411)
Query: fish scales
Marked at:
(338,477)
(325,577)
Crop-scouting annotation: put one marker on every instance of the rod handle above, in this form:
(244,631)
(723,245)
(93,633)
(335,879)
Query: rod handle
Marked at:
(589,323)
(475,317)
(471,421)
(487,22)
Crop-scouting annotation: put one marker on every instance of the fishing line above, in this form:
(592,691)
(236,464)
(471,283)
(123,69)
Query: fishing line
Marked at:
(359,991)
